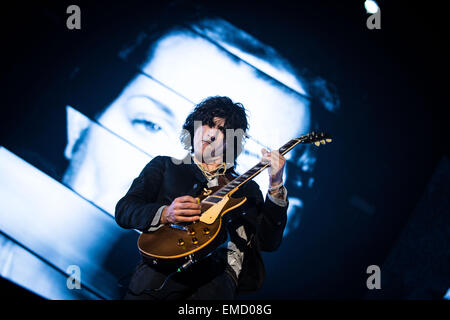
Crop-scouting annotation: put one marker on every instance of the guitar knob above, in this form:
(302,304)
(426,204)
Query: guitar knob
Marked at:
(192,233)
(194,240)
(206,231)
(180,242)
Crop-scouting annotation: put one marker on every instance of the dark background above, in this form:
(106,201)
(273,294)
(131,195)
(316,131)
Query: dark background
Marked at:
(389,132)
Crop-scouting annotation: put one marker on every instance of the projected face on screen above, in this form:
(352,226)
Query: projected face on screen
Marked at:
(183,68)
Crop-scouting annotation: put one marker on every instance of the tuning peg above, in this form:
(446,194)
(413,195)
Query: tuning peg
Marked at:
(322,141)
(317,143)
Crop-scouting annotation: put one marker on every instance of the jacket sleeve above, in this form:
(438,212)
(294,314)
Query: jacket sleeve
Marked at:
(137,209)
(272,221)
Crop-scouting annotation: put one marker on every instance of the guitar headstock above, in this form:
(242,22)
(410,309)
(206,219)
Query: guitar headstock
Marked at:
(317,138)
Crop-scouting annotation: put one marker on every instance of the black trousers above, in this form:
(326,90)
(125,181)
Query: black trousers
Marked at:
(209,279)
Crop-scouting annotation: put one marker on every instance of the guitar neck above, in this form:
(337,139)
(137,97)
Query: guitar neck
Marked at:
(234,185)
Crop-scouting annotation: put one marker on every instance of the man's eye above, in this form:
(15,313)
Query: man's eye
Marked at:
(149,125)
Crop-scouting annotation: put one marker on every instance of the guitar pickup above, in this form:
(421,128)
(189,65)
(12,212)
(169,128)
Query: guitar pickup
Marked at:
(212,199)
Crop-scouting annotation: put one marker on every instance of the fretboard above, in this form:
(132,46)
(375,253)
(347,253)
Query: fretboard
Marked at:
(253,172)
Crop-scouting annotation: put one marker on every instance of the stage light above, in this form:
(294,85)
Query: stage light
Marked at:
(371,6)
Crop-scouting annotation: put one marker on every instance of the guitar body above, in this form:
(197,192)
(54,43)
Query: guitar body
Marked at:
(172,245)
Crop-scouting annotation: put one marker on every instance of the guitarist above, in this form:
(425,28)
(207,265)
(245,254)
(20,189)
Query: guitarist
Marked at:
(162,194)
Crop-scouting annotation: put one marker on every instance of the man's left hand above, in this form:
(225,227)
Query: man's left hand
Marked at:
(276,165)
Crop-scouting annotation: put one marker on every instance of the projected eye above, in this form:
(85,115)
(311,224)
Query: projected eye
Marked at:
(148,125)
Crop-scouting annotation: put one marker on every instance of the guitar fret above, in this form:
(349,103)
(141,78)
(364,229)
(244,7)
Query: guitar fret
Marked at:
(287,146)
(255,169)
(239,180)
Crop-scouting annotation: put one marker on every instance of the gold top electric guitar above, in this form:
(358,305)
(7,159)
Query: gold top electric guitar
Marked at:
(186,243)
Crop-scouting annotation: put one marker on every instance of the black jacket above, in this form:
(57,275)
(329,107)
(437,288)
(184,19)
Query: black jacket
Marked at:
(161,181)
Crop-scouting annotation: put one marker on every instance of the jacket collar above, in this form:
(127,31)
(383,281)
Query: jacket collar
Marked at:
(189,160)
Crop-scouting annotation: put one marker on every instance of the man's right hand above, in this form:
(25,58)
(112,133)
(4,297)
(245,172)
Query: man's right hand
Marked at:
(182,209)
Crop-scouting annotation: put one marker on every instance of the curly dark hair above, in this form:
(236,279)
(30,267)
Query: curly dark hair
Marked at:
(234,114)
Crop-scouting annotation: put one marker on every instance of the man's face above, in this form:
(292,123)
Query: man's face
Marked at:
(209,142)
(149,116)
